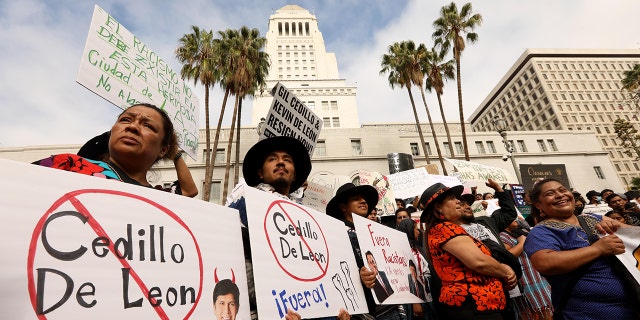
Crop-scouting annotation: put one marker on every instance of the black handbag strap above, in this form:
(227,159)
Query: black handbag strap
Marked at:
(577,274)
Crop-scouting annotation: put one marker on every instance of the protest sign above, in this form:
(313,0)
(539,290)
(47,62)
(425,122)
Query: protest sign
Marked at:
(386,250)
(302,260)
(317,196)
(331,181)
(470,171)
(288,116)
(411,183)
(83,247)
(117,66)
(599,209)
(534,172)
(386,199)
(630,236)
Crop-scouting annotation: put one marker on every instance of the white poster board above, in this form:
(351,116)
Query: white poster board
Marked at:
(631,257)
(317,196)
(386,198)
(387,250)
(117,66)
(288,116)
(302,260)
(471,171)
(83,247)
(410,183)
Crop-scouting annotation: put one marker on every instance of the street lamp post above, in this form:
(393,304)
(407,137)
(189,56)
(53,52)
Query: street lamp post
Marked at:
(501,127)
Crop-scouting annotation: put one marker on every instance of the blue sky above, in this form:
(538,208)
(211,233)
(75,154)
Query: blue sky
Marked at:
(41,43)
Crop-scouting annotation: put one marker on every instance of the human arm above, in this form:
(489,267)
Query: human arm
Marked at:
(553,262)
(463,248)
(503,217)
(185,180)
(517,249)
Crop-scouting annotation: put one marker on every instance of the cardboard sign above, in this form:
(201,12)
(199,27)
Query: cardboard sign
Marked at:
(83,247)
(302,260)
(288,116)
(410,183)
(470,171)
(388,251)
(117,66)
(317,196)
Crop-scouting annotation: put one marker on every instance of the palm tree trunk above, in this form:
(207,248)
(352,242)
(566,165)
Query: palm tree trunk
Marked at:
(461,111)
(207,171)
(208,179)
(415,115)
(433,132)
(446,126)
(237,162)
(229,144)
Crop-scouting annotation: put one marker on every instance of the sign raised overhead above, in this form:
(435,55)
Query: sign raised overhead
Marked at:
(288,116)
(92,248)
(117,66)
(475,172)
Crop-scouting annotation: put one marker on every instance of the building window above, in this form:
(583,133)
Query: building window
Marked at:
(311,104)
(326,122)
(445,146)
(598,171)
(428,147)
(522,146)
(204,155)
(542,146)
(491,147)
(336,122)
(356,147)
(480,147)
(220,156)
(334,105)
(458,146)
(414,149)
(325,105)
(215,192)
(552,145)
(321,148)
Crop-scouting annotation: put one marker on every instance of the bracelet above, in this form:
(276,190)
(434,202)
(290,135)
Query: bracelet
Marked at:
(178,156)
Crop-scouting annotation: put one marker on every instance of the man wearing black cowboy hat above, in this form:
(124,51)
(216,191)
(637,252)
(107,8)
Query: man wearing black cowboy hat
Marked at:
(278,165)
(351,199)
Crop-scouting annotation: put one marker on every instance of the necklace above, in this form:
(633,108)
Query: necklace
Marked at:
(114,171)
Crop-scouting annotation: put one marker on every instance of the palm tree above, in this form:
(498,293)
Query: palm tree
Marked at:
(397,64)
(249,66)
(437,71)
(450,28)
(196,54)
(631,83)
(421,58)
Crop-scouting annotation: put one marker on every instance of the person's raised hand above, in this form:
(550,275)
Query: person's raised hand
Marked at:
(494,185)
(292,315)
(343,314)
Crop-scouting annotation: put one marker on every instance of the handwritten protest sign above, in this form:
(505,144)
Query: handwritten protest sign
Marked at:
(288,116)
(331,181)
(470,171)
(631,257)
(117,66)
(388,251)
(302,260)
(409,183)
(599,209)
(317,196)
(91,248)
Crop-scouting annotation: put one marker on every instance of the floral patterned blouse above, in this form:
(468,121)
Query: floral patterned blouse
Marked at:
(459,281)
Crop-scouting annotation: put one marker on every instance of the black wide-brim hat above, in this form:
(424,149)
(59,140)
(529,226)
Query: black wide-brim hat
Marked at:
(436,192)
(369,193)
(96,147)
(254,159)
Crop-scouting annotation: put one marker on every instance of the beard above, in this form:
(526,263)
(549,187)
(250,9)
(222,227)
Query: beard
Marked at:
(467,219)
(281,183)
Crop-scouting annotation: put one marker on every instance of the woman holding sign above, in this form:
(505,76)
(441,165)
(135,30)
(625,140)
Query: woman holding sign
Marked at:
(579,264)
(472,281)
(142,135)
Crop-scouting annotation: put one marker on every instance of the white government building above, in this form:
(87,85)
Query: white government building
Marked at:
(301,62)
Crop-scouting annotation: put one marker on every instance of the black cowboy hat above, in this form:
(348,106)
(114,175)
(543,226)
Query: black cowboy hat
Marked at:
(435,192)
(369,193)
(254,159)
(96,147)
(468,198)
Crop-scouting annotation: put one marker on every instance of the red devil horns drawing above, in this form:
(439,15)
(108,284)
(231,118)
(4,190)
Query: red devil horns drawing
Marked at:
(215,276)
